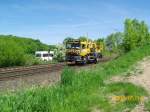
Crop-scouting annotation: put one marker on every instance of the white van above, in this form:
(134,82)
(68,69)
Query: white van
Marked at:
(45,55)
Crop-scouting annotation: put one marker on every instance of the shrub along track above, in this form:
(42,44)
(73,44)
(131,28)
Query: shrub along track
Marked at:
(20,77)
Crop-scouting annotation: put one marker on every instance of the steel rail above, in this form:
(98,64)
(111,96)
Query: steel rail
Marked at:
(25,71)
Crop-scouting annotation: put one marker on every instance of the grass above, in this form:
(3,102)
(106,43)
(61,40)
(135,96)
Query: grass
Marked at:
(80,91)
(147,105)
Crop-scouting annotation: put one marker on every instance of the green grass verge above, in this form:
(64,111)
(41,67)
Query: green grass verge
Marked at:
(147,106)
(80,91)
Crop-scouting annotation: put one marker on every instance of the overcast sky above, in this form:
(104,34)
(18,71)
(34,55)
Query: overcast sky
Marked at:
(53,20)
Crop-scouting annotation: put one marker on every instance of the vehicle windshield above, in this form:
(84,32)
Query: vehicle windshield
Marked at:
(73,45)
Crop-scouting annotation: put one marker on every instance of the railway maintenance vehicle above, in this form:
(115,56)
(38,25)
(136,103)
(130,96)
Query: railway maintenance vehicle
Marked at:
(83,52)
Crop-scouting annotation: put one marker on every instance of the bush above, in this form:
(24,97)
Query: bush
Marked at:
(32,60)
(16,51)
(59,53)
(136,34)
(11,54)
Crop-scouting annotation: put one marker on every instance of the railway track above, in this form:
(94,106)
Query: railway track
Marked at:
(9,73)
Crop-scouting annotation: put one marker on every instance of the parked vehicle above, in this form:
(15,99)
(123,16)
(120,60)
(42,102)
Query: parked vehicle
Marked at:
(45,55)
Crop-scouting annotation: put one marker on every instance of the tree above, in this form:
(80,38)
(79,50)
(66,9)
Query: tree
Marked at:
(67,39)
(83,38)
(52,47)
(100,40)
(59,53)
(114,41)
(136,34)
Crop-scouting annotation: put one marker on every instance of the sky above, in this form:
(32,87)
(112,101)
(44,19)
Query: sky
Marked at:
(53,20)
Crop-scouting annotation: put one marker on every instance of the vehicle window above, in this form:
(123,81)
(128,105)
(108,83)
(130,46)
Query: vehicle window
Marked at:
(83,46)
(68,46)
(73,45)
(88,46)
(76,45)
(45,55)
(38,55)
(51,55)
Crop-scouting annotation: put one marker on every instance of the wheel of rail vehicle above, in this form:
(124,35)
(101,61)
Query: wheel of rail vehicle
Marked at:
(85,60)
(96,60)
(100,55)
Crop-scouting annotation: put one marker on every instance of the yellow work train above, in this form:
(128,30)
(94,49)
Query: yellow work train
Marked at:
(78,51)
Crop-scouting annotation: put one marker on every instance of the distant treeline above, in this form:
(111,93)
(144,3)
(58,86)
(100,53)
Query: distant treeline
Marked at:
(136,34)
(16,51)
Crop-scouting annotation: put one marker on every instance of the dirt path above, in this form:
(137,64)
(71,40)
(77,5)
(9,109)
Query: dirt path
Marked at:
(141,78)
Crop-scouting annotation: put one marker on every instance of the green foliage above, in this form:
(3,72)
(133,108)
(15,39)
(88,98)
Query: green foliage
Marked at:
(125,90)
(67,39)
(83,38)
(99,40)
(114,41)
(28,45)
(147,105)
(52,47)
(136,34)
(59,53)
(32,60)
(15,51)
(67,76)
(11,54)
